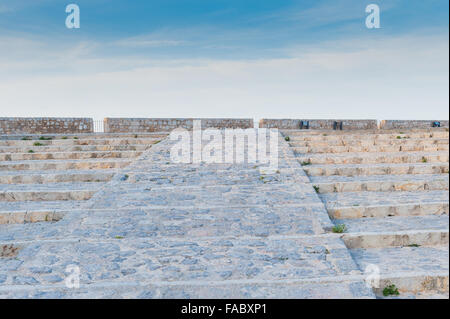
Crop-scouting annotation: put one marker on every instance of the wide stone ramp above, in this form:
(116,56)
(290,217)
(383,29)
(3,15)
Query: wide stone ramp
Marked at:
(390,190)
(44,176)
(165,230)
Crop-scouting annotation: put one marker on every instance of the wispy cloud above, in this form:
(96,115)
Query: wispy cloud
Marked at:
(149,43)
(306,61)
(378,79)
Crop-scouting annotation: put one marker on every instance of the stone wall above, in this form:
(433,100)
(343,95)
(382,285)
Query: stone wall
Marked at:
(124,125)
(45,125)
(318,124)
(400,124)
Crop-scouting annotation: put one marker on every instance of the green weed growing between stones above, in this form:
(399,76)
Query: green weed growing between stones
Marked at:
(339,229)
(390,290)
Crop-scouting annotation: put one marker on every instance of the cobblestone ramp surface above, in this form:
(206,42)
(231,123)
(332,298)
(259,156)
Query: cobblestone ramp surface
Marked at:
(163,230)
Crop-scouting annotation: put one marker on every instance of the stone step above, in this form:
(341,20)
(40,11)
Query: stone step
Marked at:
(380,183)
(48,192)
(190,222)
(377,169)
(378,204)
(396,231)
(128,195)
(220,260)
(36,195)
(81,136)
(336,144)
(411,269)
(74,142)
(364,136)
(375,158)
(419,295)
(328,288)
(176,177)
(67,155)
(68,148)
(38,206)
(23,217)
(179,223)
(56,176)
(50,186)
(370,149)
(65,164)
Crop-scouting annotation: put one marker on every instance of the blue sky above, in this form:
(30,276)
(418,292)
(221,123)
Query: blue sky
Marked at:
(255,58)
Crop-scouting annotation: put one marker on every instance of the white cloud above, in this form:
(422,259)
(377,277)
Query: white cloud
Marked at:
(143,42)
(405,77)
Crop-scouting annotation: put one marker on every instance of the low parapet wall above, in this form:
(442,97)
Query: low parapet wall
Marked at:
(318,124)
(45,125)
(124,125)
(411,124)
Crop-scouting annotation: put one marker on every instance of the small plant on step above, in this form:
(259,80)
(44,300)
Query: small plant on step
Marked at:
(30,151)
(75,138)
(64,138)
(43,138)
(316,188)
(306,163)
(287,138)
(390,290)
(424,160)
(339,229)
(37,144)
(26,138)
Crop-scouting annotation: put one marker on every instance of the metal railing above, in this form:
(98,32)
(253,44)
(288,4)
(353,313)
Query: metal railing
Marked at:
(98,126)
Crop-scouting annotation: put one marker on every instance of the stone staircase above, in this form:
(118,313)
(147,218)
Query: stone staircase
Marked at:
(163,230)
(390,190)
(146,227)
(41,176)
